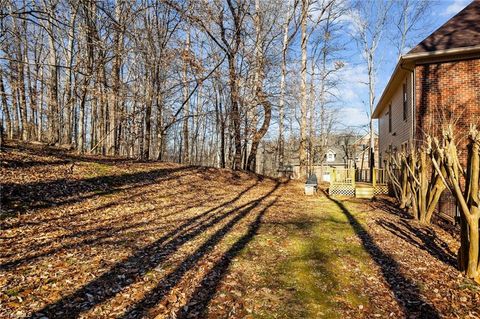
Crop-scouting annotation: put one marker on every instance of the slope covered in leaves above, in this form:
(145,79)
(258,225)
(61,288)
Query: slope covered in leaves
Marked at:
(91,237)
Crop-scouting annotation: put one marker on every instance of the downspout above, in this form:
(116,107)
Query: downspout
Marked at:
(414,117)
(412,100)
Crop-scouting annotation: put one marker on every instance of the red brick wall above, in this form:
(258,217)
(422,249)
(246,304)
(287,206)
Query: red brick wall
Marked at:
(447,92)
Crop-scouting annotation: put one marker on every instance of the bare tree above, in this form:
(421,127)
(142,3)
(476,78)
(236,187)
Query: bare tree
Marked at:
(303,89)
(263,23)
(118,78)
(287,38)
(5,107)
(408,14)
(426,184)
(324,50)
(463,180)
(396,167)
(369,19)
(186,108)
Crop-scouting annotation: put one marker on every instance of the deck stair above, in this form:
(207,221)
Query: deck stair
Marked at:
(363,190)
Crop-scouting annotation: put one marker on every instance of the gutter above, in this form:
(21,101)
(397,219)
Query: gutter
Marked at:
(413,101)
(439,53)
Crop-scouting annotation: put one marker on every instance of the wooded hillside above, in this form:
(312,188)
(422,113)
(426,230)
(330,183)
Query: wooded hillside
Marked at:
(203,82)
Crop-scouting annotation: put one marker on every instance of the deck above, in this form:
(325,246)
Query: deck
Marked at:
(357,183)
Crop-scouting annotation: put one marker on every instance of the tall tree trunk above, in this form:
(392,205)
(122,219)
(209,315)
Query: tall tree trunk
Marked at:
(15,99)
(93,121)
(371,102)
(32,92)
(281,102)
(22,95)
(148,118)
(198,123)
(303,91)
(260,96)
(90,32)
(267,107)
(105,107)
(112,147)
(237,139)
(67,129)
(40,108)
(53,109)
(186,107)
(160,131)
(5,107)
(81,121)
(311,124)
(19,83)
(220,125)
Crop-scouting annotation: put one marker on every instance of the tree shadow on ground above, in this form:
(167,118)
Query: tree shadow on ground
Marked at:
(387,205)
(406,292)
(20,198)
(390,206)
(99,236)
(208,286)
(205,292)
(65,156)
(424,238)
(429,241)
(105,233)
(8,163)
(126,272)
(138,194)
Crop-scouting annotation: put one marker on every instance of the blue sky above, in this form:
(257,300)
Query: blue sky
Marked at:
(354,94)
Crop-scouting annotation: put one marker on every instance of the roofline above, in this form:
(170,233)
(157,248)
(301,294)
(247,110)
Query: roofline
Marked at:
(380,105)
(439,53)
(410,59)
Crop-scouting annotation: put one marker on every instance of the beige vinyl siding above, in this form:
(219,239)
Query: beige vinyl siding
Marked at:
(401,129)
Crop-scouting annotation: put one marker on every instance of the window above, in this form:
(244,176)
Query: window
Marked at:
(405,101)
(390,118)
(330,157)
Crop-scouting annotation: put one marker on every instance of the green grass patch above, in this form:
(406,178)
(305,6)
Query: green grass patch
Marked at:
(100,169)
(320,271)
(12,292)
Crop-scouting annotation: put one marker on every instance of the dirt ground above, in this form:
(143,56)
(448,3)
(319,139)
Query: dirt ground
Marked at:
(91,237)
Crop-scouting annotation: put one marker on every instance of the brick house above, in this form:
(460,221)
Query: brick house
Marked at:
(437,82)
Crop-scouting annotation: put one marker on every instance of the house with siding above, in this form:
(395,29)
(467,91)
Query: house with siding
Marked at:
(437,81)
(362,151)
(343,151)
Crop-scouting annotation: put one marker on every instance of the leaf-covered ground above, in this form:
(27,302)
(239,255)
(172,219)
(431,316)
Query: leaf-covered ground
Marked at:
(91,237)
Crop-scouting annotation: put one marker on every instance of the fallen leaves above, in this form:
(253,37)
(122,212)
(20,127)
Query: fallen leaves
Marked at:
(117,238)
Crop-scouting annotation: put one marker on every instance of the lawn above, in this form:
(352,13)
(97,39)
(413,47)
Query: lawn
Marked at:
(91,237)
